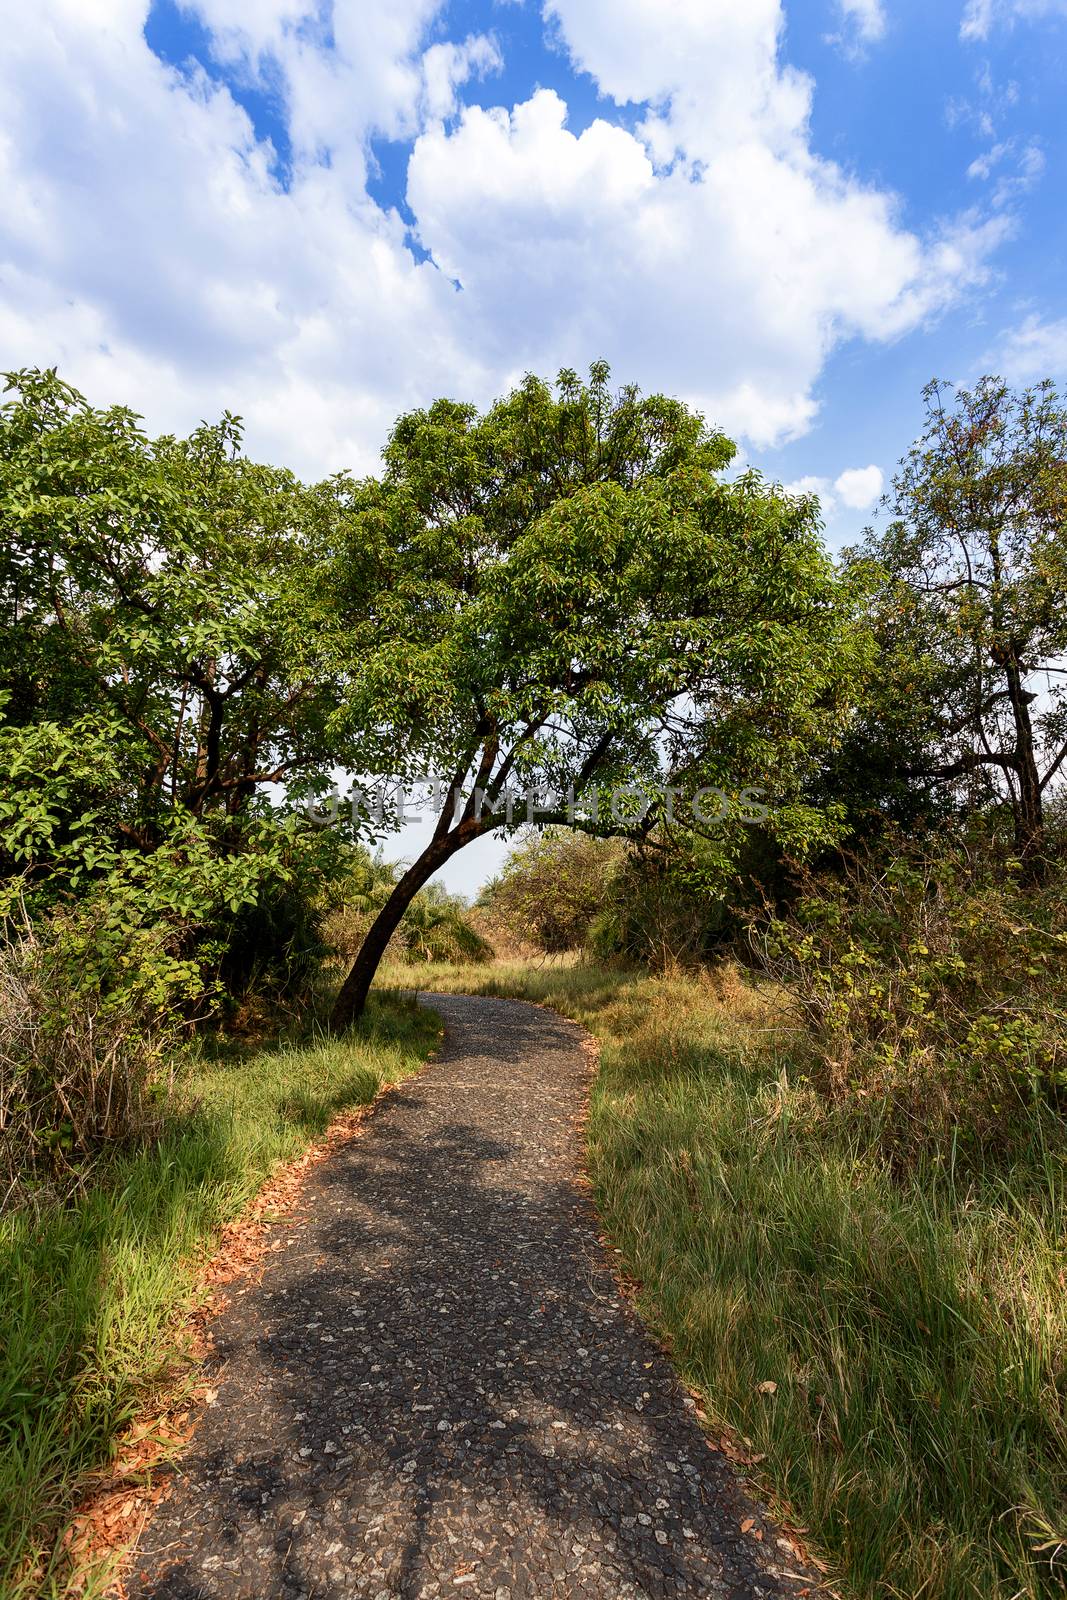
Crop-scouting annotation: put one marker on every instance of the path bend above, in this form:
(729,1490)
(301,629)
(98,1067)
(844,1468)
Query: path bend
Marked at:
(436,1388)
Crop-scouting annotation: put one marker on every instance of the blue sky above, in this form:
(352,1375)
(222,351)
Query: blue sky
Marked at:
(320,212)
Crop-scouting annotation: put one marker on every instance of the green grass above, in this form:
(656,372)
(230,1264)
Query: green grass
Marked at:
(89,1292)
(915,1325)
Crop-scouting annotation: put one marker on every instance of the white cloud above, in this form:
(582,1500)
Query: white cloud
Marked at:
(446,67)
(855,489)
(980,16)
(859,487)
(977,19)
(713,251)
(811,484)
(1025,169)
(147,249)
(146,245)
(982,166)
(867,17)
(1036,349)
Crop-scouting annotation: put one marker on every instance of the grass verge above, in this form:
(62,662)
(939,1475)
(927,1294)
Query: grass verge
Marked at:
(912,1328)
(91,1293)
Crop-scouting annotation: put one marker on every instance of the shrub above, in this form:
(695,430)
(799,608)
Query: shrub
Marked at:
(436,927)
(931,988)
(652,916)
(667,903)
(553,887)
(80,1071)
(271,946)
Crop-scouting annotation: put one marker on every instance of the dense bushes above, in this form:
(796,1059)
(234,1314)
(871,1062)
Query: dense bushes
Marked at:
(661,912)
(564,890)
(553,887)
(931,984)
(667,903)
(100,990)
(160,667)
(79,1074)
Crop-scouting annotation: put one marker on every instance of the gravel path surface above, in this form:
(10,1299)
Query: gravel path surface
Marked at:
(436,1388)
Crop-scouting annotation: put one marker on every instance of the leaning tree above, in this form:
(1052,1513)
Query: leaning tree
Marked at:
(568,591)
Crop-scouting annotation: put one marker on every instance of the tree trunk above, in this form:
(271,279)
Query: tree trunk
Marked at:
(1029,815)
(352,997)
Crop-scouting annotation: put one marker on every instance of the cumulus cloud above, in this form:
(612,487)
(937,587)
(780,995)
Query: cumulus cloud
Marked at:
(855,489)
(711,250)
(859,487)
(148,246)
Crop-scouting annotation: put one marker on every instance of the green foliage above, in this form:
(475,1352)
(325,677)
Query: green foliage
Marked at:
(552,888)
(435,926)
(664,910)
(80,1074)
(931,984)
(162,597)
(566,589)
(160,664)
(541,588)
(970,606)
(672,899)
(173,929)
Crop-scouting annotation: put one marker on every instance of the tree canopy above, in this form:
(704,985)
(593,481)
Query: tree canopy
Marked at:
(159,668)
(568,589)
(159,598)
(972,603)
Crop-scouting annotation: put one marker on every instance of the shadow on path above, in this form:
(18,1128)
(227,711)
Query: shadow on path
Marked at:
(436,1389)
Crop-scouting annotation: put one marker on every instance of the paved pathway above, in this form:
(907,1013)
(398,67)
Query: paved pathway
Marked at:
(436,1388)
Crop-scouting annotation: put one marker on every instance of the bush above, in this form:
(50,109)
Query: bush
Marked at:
(668,904)
(80,1072)
(271,947)
(435,927)
(930,987)
(653,916)
(553,887)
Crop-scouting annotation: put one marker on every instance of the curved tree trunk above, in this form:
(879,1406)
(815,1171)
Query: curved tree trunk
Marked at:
(352,996)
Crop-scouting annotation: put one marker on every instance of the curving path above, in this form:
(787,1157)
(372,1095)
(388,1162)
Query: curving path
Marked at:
(436,1388)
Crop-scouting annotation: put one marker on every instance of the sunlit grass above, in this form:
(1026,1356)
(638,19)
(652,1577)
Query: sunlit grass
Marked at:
(90,1292)
(915,1324)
